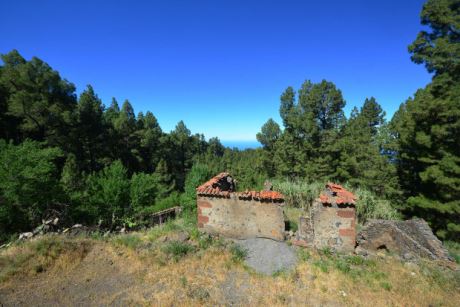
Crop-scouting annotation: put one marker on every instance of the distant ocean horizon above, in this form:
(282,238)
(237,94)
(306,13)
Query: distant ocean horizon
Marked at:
(242,145)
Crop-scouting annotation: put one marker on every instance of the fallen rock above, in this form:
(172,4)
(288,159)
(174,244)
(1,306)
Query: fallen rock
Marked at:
(409,239)
(176,236)
(268,256)
(26,235)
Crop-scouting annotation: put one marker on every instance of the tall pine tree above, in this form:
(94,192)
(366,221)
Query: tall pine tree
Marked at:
(427,126)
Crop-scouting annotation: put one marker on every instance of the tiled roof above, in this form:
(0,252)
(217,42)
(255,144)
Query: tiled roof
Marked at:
(213,187)
(262,195)
(336,194)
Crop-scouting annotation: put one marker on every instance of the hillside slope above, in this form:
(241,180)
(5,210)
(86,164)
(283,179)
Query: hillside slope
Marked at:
(173,264)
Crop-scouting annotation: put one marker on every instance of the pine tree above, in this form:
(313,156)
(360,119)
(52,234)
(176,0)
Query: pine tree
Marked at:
(427,126)
(90,131)
(39,103)
(164,180)
(268,136)
(126,128)
(308,147)
(362,162)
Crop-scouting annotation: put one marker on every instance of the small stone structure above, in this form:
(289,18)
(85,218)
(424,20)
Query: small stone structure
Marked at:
(331,222)
(239,215)
(408,239)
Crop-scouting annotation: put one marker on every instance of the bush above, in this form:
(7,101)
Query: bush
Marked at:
(198,174)
(177,249)
(369,206)
(238,253)
(28,185)
(454,250)
(298,193)
(142,191)
(107,194)
(131,241)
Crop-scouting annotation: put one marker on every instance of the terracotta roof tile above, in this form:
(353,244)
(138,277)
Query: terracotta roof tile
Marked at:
(212,187)
(336,194)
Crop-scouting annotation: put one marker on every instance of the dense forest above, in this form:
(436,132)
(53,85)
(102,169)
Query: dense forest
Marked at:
(88,163)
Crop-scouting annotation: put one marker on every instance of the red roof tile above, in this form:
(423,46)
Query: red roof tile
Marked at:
(212,188)
(336,194)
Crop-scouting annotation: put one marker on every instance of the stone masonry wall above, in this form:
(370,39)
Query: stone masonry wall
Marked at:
(334,227)
(331,221)
(240,218)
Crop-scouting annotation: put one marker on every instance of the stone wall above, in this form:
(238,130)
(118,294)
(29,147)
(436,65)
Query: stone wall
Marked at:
(239,215)
(334,227)
(331,221)
(240,219)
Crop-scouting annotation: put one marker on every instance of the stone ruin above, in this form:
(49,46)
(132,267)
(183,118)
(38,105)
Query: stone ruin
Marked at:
(239,215)
(330,222)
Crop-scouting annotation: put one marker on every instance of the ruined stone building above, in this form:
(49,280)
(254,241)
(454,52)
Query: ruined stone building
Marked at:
(330,222)
(240,215)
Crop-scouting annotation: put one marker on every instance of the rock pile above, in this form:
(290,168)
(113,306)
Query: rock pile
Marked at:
(409,239)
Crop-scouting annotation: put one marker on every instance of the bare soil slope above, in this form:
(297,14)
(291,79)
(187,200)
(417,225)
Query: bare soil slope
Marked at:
(168,269)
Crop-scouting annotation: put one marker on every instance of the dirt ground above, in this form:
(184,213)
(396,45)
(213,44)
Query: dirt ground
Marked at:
(105,273)
(116,276)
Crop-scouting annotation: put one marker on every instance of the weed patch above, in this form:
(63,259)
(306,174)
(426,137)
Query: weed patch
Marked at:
(238,253)
(131,241)
(177,249)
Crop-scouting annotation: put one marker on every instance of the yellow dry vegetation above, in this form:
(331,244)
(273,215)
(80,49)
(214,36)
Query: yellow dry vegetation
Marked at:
(140,271)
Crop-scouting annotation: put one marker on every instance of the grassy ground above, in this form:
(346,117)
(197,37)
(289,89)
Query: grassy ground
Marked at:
(155,267)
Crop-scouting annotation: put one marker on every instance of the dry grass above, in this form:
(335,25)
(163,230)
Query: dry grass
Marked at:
(145,273)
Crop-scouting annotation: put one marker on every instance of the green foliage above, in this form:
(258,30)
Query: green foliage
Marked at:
(362,163)
(199,174)
(143,189)
(303,254)
(39,103)
(439,49)
(323,265)
(370,206)
(131,241)
(454,250)
(427,126)
(308,146)
(28,184)
(107,194)
(177,249)
(298,193)
(170,201)
(238,253)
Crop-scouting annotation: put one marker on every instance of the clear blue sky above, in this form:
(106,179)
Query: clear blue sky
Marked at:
(221,65)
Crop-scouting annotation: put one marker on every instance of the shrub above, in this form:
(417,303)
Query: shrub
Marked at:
(168,202)
(107,194)
(369,206)
(238,253)
(177,249)
(142,191)
(454,250)
(298,193)
(131,241)
(28,185)
(198,174)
